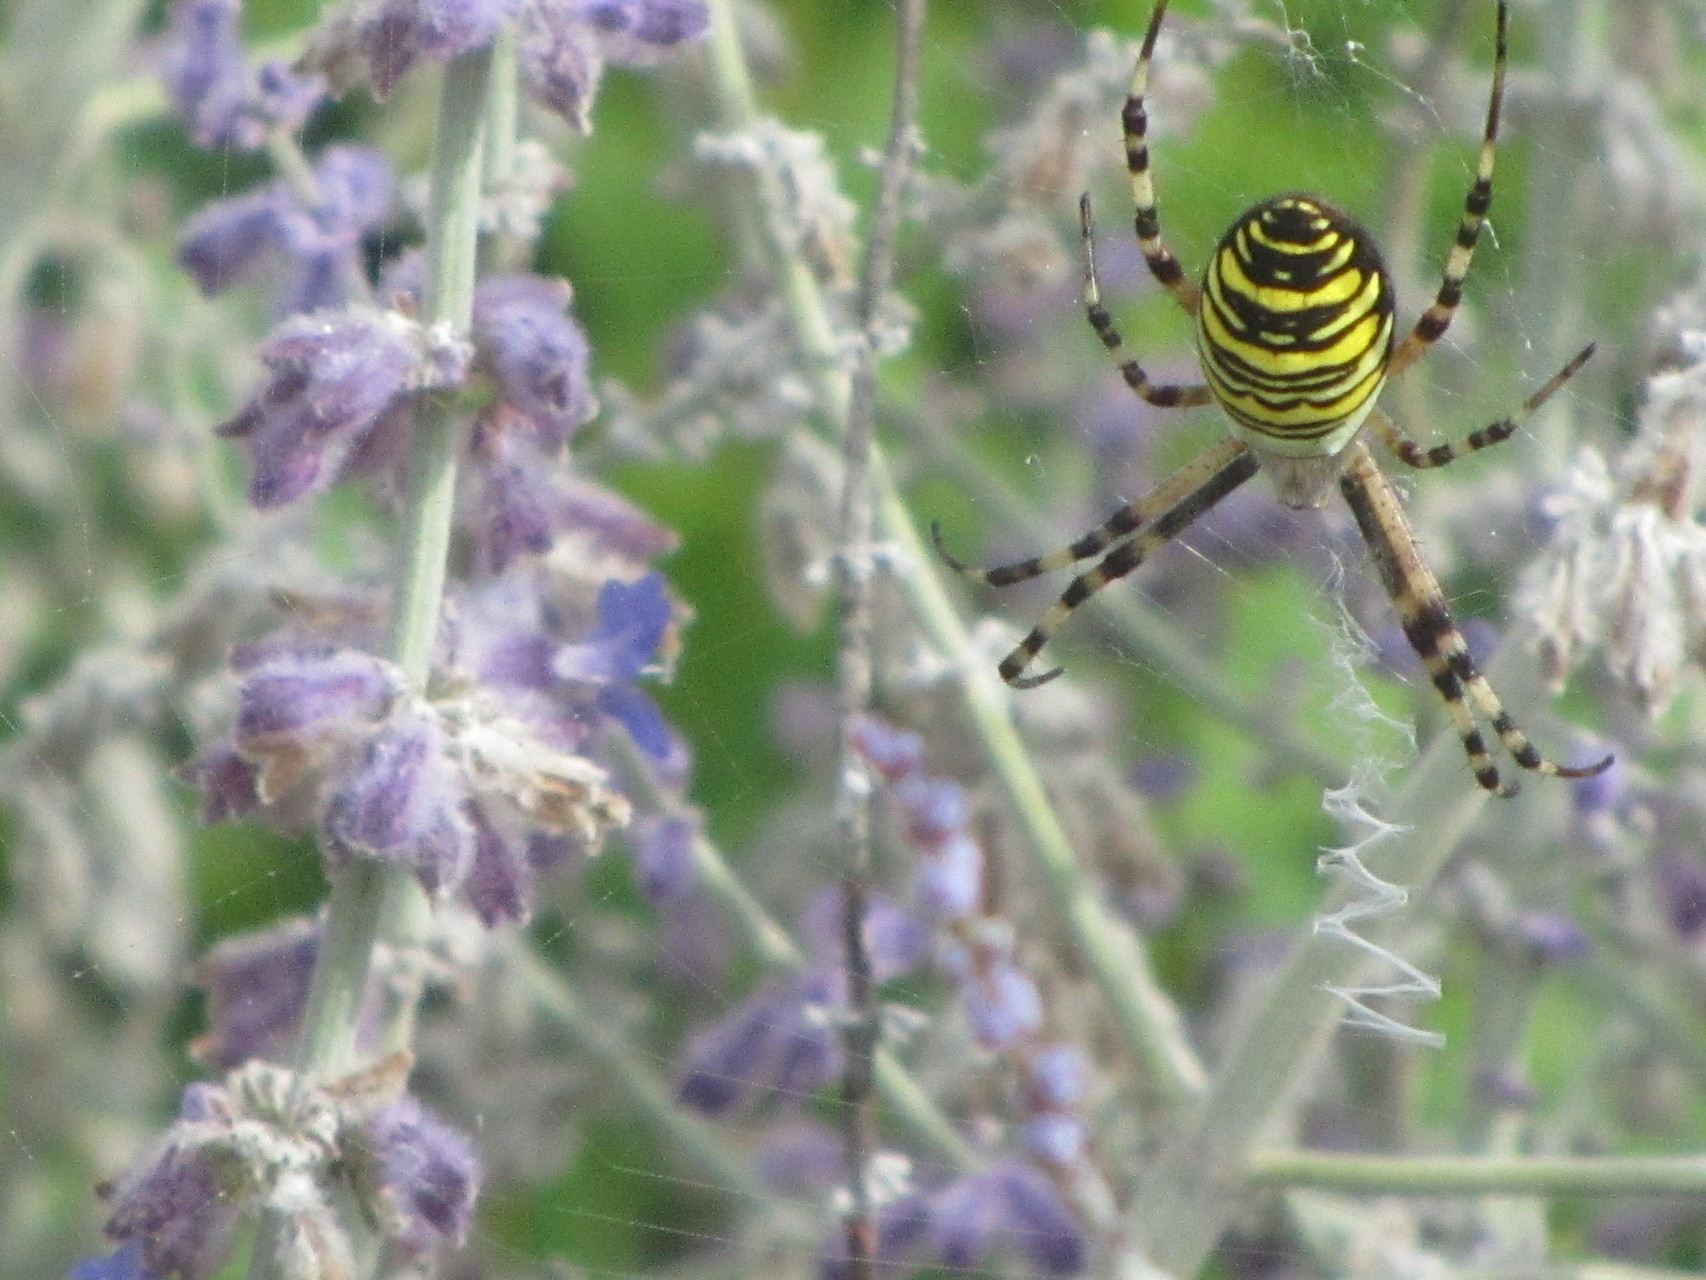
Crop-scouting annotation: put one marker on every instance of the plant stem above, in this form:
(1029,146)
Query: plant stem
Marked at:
(1482,1175)
(370,900)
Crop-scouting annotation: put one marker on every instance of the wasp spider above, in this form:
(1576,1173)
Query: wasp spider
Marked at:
(1295,331)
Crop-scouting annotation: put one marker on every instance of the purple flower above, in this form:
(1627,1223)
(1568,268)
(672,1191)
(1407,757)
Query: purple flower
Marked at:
(401,32)
(1055,1137)
(894,753)
(124,1263)
(207,79)
(298,697)
(635,32)
(335,376)
(663,858)
(563,44)
(633,621)
(783,1041)
(183,1206)
(895,941)
(935,808)
(950,879)
(257,990)
(1551,937)
(405,802)
(538,354)
(428,1172)
(318,247)
(1002,1004)
(1056,1075)
(499,884)
(229,785)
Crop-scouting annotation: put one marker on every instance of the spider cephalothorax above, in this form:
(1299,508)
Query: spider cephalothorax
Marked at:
(1295,331)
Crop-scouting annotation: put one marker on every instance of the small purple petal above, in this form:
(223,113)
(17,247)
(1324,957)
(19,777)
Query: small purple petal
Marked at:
(428,1170)
(1055,1137)
(664,865)
(970,1216)
(334,375)
(935,808)
(227,240)
(1003,1006)
(894,753)
(1551,937)
(903,1229)
(1682,890)
(1604,791)
(640,716)
(403,31)
(539,354)
(560,60)
(299,697)
(499,885)
(1057,1075)
(257,990)
(632,621)
(950,879)
(183,1207)
(1040,1225)
(229,786)
(404,803)
(205,73)
(636,32)
(799,1155)
(124,1263)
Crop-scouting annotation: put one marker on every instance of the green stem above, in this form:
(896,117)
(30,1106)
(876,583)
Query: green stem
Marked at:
(370,900)
(1482,1175)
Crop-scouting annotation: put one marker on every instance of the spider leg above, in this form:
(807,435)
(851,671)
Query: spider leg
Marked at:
(1162,264)
(1203,483)
(1161,395)
(1128,519)
(1437,318)
(1427,624)
(1416,455)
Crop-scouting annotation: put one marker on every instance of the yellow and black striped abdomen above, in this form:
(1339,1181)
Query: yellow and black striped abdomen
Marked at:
(1295,328)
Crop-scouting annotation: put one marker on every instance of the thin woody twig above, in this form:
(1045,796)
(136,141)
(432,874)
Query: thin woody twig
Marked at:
(853,795)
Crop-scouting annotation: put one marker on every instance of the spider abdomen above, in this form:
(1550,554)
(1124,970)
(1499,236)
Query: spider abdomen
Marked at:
(1295,326)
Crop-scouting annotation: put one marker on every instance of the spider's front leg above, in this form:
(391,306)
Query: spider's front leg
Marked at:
(1146,525)
(1427,623)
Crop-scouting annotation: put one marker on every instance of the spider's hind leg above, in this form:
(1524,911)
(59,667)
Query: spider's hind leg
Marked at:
(1428,626)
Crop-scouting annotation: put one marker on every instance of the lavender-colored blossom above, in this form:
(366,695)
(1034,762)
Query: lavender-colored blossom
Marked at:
(903,1234)
(1003,1005)
(229,785)
(257,990)
(1055,1137)
(300,696)
(207,80)
(935,808)
(428,1172)
(781,1042)
(399,33)
(1681,881)
(404,803)
(636,32)
(1551,937)
(1056,1075)
(633,620)
(562,45)
(1602,792)
(318,247)
(537,352)
(664,867)
(334,376)
(499,884)
(800,1156)
(893,753)
(951,879)
(124,1263)
(896,942)
(183,1206)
